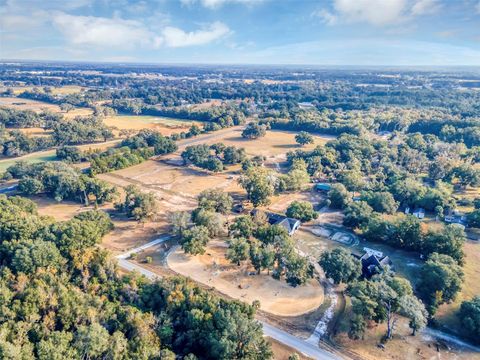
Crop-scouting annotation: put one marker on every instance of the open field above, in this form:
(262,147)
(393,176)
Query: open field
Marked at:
(38,106)
(63,90)
(126,234)
(168,180)
(276,297)
(446,314)
(275,143)
(50,155)
(164,125)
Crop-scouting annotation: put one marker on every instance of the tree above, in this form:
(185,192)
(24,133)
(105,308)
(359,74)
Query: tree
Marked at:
(213,221)
(382,299)
(357,214)
(31,256)
(242,227)
(57,346)
(339,196)
(303,138)
(381,201)
(254,131)
(469,316)
(298,270)
(194,240)
(215,200)
(301,210)
(449,241)
(440,280)
(340,265)
(180,221)
(141,206)
(414,309)
(30,186)
(238,250)
(259,185)
(92,341)
(473,218)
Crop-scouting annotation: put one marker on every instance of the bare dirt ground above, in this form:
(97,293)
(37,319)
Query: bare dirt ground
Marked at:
(175,185)
(282,352)
(276,297)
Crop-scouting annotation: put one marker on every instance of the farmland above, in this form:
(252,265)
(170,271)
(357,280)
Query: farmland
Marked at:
(329,172)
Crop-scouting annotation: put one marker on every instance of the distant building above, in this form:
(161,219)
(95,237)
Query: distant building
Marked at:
(305,105)
(373,262)
(419,213)
(290,224)
(456,217)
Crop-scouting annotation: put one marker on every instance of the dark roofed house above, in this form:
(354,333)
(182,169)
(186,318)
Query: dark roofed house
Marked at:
(290,224)
(373,262)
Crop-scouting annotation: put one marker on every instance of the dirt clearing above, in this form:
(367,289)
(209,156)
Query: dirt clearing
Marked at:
(276,297)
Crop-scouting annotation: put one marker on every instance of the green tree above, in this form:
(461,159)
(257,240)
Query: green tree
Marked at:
(339,196)
(215,200)
(194,240)
(357,214)
(440,280)
(92,341)
(259,184)
(213,221)
(303,138)
(57,346)
(254,131)
(238,250)
(242,226)
(180,221)
(469,316)
(301,210)
(341,266)
(449,241)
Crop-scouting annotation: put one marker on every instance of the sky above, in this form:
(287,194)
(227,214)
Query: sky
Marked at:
(316,32)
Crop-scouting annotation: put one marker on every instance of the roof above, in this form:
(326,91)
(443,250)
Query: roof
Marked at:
(290,224)
(372,262)
(323,186)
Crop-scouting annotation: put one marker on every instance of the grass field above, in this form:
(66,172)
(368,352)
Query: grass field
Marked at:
(63,90)
(38,106)
(50,155)
(164,125)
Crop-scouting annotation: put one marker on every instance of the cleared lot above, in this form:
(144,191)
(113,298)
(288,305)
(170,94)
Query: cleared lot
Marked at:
(276,297)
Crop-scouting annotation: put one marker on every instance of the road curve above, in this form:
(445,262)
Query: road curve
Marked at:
(290,340)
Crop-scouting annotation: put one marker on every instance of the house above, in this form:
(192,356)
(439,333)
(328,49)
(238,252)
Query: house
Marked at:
(456,217)
(419,213)
(323,187)
(290,224)
(373,262)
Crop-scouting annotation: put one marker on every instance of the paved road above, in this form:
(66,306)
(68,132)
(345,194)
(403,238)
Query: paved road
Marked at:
(299,345)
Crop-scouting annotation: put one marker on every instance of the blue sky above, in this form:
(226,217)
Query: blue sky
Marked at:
(323,32)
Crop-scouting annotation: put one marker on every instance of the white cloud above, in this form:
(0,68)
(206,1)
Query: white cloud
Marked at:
(423,7)
(327,17)
(175,37)
(98,31)
(214,4)
(477,7)
(376,12)
(120,33)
